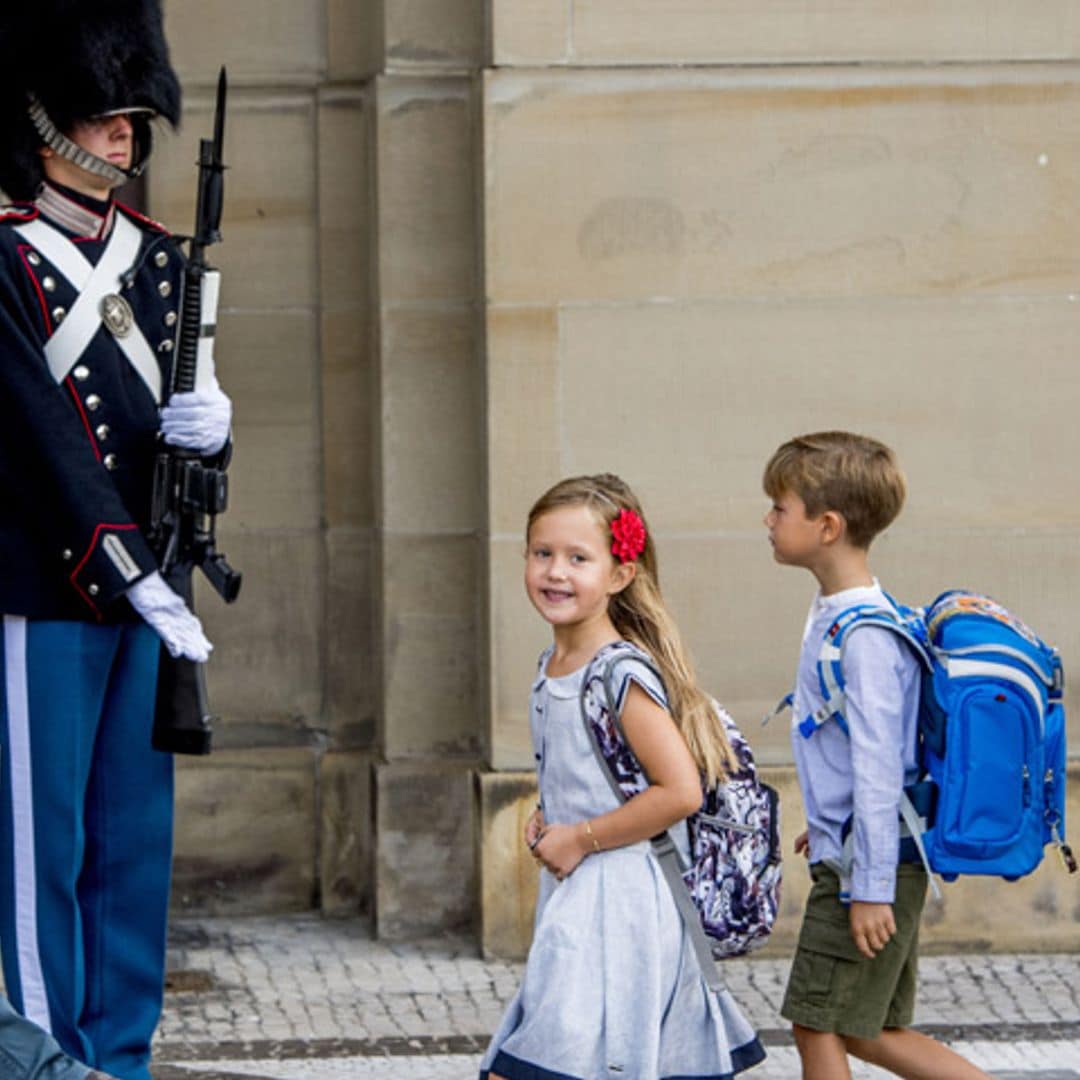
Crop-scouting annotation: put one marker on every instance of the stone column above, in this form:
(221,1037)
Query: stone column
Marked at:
(247,829)
(347,675)
(430,482)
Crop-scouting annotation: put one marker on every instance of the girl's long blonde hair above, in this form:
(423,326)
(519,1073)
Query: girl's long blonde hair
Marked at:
(641,616)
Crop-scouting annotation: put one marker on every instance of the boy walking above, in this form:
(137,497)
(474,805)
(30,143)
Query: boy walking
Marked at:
(853,979)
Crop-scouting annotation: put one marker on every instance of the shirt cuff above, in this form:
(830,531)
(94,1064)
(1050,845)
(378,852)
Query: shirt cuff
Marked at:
(875,885)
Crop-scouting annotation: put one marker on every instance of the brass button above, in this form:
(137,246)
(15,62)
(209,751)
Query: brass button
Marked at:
(166,346)
(102,431)
(109,462)
(66,555)
(93,590)
(58,314)
(48,283)
(33,258)
(161,259)
(81,372)
(170,318)
(164,289)
(93,402)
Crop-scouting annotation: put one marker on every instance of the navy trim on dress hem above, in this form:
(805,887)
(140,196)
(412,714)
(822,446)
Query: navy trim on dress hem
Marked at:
(742,1057)
(512,1068)
(748,1055)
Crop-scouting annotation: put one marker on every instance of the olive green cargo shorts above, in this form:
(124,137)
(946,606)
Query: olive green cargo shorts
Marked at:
(832,986)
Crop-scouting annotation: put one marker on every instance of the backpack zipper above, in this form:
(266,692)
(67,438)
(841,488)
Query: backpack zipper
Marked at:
(725,823)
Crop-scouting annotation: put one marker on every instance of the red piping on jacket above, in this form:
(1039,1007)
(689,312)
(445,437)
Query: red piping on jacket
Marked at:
(23,249)
(86,558)
(85,419)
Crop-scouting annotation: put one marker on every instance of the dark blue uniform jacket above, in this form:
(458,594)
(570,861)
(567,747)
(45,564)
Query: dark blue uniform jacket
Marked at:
(76,458)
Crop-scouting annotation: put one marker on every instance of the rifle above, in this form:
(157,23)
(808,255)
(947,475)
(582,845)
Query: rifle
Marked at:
(188,494)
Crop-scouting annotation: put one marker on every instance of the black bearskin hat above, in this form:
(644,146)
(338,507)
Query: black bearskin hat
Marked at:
(79,59)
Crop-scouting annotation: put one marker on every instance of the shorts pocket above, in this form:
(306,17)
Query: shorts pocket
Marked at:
(811,977)
(827,965)
(829,938)
(833,987)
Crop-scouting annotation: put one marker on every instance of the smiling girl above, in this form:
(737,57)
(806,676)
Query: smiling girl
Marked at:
(612,986)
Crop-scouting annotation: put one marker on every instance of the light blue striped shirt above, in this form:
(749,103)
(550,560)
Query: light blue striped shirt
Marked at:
(861,776)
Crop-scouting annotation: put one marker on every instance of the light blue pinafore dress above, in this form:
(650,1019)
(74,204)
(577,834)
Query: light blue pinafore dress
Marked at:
(612,988)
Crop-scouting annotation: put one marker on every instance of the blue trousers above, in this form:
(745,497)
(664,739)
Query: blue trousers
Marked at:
(85,837)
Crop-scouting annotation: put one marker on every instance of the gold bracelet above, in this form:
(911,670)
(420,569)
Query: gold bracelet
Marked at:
(589,834)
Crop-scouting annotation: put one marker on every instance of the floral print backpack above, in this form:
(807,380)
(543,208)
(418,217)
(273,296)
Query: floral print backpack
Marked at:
(729,894)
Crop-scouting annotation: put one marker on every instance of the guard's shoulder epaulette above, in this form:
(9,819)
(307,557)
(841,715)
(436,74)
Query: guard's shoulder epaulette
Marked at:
(142,219)
(17,213)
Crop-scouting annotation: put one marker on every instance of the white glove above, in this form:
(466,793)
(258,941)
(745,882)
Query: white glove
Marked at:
(168,616)
(198,420)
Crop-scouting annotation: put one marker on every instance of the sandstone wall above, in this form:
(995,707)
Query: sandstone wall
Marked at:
(710,226)
(473,247)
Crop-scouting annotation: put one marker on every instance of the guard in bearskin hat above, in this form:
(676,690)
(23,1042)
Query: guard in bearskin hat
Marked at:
(89,295)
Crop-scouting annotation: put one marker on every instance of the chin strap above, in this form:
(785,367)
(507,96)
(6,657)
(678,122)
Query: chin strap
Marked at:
(60,144)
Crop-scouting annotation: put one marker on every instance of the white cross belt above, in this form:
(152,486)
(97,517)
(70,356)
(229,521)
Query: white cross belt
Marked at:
(93,283)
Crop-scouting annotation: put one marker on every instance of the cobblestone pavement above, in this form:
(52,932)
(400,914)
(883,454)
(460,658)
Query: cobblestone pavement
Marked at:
(302,998)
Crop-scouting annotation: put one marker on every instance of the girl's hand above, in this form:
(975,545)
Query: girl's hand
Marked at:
(802,844)
(533,828)
(561,848)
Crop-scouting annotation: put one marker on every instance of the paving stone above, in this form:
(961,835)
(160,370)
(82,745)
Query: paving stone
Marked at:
(302,998)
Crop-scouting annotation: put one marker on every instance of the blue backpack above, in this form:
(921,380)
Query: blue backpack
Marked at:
(991,731)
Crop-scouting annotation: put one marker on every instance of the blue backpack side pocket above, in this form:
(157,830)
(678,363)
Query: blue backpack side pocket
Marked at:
(989,815)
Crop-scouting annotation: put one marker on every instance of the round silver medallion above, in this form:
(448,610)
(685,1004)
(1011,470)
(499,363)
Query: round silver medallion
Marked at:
(117,315)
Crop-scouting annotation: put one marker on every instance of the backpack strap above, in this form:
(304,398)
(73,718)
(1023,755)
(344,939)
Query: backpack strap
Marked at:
(916,826)
(786,702)
(831,655)
(671,865)
(913,824)
(833,688)
(602,669)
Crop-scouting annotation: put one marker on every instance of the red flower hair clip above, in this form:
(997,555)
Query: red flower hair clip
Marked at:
(628,536)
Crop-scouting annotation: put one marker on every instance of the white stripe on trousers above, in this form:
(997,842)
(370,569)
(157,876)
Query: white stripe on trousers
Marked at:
(34,1002)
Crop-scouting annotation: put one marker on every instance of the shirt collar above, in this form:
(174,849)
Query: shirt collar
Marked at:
(861,594)
(77,213)
(827,606)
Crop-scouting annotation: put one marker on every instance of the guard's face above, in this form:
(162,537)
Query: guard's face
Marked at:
(109,137)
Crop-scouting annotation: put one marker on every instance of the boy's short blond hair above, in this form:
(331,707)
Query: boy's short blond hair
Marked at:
(853,475)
